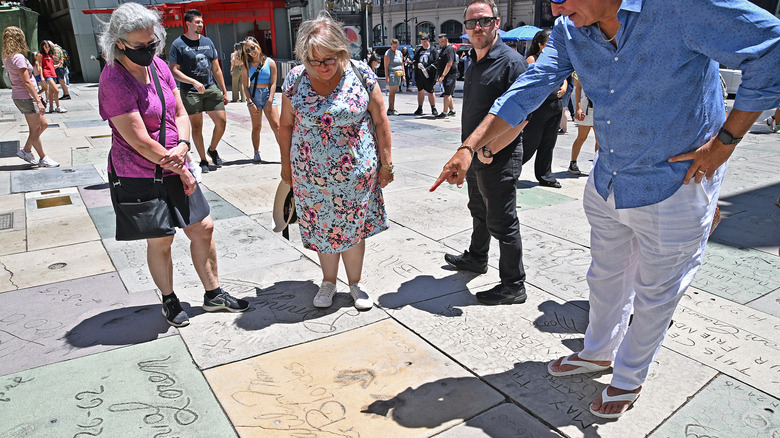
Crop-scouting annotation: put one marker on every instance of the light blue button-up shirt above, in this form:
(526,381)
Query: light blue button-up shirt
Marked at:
(658,93)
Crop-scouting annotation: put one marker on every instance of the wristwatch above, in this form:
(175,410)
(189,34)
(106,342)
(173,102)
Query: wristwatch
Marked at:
(486,152)
(727,138)
(187,142)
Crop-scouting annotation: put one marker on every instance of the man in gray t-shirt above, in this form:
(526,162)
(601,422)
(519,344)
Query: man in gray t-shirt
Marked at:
(194,63)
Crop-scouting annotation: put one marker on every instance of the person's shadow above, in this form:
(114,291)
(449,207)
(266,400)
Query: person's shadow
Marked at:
(426,287)
(124,326)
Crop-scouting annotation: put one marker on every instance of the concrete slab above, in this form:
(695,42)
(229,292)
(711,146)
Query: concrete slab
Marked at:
(54,178)
(335,386)
(13,241)
(249,198)
(104,220)
(281,314)
(435,215)
(738,274)
(87,123)
(242,245)
(95,195)
(769,303)
(510,346)
(220,209)
(53,265)
(725,407)
(504,420)
(152,389)
(5,183)
(87,155)
(93,314)
(530,197)
(566,221)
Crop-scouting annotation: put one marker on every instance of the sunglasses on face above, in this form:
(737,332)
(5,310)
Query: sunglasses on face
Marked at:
(483,22)
(558,2)
(152,45)
(251,49)
(326,61)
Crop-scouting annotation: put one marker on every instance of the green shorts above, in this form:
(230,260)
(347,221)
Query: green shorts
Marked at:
(210,100)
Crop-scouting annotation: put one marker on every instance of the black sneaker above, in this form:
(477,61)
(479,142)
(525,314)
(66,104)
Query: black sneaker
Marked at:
(204,166)
(215,158)
(574,169)
(451,113)
(418,112)
(503,294)
(434,111)
(224,301)
(174,314)
(441,115)
(465,262)
(392,112)
(65,97)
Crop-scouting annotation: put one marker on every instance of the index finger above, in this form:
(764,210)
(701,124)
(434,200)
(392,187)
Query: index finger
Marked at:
(438,182)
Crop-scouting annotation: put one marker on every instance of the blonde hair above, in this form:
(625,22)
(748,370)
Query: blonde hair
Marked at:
(245,56)
(324,34)
(14,42)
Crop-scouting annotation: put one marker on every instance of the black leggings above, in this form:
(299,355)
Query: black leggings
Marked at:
(539,137)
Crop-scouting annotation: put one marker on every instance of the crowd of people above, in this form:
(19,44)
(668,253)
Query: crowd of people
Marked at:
(650,198)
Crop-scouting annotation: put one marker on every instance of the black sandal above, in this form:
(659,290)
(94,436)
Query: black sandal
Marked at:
(554,184)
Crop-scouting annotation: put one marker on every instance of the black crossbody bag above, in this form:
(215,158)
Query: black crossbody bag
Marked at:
(145,219)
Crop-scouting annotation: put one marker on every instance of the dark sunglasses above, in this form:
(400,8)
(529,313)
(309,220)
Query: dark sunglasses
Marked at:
(558,2)
(152,45)
(483,22)
(326,61)
(251,49)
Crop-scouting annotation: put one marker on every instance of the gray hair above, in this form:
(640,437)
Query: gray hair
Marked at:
(325,34)
(127,18)
(491,4)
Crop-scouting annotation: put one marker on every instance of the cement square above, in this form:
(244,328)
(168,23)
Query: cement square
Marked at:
(91,315)
(738,274)
(566,221)
(505,420)
(89,155)
(89,123)
(535,197)
(400,386)
(13,241)
(435,215)
(95,195)
(52,265)
(54,178)
(242,245)
(142,390)
(104,220)
(5,183)
(769,303)
(281,314)
(220,208)
(725,407)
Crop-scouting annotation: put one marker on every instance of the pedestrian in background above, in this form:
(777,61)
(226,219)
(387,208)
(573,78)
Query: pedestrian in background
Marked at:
(129,98)
(61,69)
(258,79)
(236,67)
(46,60)
(425,74)
(25,95)
(335,149)
(408,70)
(447,71)
(583,114)
(394,71)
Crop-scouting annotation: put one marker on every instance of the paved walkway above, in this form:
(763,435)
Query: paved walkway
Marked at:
(84,350)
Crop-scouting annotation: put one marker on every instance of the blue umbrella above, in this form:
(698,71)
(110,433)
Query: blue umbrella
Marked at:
(465,36)
(521,33)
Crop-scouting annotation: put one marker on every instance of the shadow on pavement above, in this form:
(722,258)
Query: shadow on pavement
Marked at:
(125,326)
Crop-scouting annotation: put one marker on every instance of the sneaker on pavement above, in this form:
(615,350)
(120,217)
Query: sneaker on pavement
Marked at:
(418,112)
(224,301)
(48,162)
(324,297)
(256,158)
(65,97)
(204,166)
(215,158)
(451,113)
(174,314)
(574,169)
(771,122)
(466,262)
(60,110)
(434,111)
(50,110)
(503,294)
(27,156)
(392,112)
(441,115)
(358,293)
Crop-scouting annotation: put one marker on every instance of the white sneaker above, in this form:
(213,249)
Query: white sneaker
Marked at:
(60,110)
(27,156)
(48,162)
(256,159)
(771,122)
(324,297)
(358,293)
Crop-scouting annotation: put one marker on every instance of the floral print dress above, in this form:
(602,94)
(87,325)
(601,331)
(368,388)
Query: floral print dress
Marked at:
(334,162)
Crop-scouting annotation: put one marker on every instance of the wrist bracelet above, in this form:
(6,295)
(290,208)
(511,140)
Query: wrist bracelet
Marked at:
(389,167)
(465,146)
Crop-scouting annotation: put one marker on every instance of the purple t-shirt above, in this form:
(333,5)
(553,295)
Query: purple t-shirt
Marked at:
(12,65)
(121,93)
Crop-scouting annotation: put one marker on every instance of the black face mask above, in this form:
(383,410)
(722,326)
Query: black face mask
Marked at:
(143,56)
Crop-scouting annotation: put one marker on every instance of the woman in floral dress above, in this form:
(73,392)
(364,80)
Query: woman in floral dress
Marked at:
(335,146)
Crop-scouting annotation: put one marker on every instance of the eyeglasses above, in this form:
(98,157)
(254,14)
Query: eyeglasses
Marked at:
(251,49)
(326,61)
(483,22)
(152,45)
(558,2)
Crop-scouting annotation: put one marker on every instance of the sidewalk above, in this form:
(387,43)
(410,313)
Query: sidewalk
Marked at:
(85,351)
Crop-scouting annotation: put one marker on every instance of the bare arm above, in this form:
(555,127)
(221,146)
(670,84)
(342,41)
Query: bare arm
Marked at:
(216,71)
(446,71)
(286,122)
(376,107)
(273,83)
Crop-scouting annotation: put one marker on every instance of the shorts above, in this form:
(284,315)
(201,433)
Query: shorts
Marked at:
(260,98)
(186,210)
(210,100)
(394,80)
(38,78)
(51,78)
(26,106)
(449,84)
(423,83)
(60,73)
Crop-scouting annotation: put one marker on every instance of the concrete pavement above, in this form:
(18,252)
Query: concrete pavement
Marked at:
(85,351)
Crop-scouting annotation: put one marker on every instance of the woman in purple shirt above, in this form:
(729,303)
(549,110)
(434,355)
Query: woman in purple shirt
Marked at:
(25,95)
(129,100)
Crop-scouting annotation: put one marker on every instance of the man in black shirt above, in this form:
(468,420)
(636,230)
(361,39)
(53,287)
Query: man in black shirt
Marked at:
(492,192)
(447,68)
(425,74)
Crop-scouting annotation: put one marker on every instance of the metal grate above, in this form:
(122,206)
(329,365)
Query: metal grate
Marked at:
(6,221)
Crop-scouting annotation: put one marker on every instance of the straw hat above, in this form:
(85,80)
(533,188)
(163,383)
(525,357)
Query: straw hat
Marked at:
(284,207)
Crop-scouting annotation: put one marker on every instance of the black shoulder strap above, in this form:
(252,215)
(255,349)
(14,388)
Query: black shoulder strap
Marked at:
(354,68)
(163,128)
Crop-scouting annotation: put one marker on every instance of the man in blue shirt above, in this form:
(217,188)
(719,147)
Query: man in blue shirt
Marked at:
(649,224)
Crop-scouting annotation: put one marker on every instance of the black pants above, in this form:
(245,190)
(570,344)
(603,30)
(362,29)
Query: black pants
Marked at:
(539,137)
(493,206)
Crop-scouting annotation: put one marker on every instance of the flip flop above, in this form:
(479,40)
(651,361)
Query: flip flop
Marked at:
(584,367)
(629,397)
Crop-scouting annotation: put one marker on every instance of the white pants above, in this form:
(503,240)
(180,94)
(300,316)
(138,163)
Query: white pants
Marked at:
(642,259)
